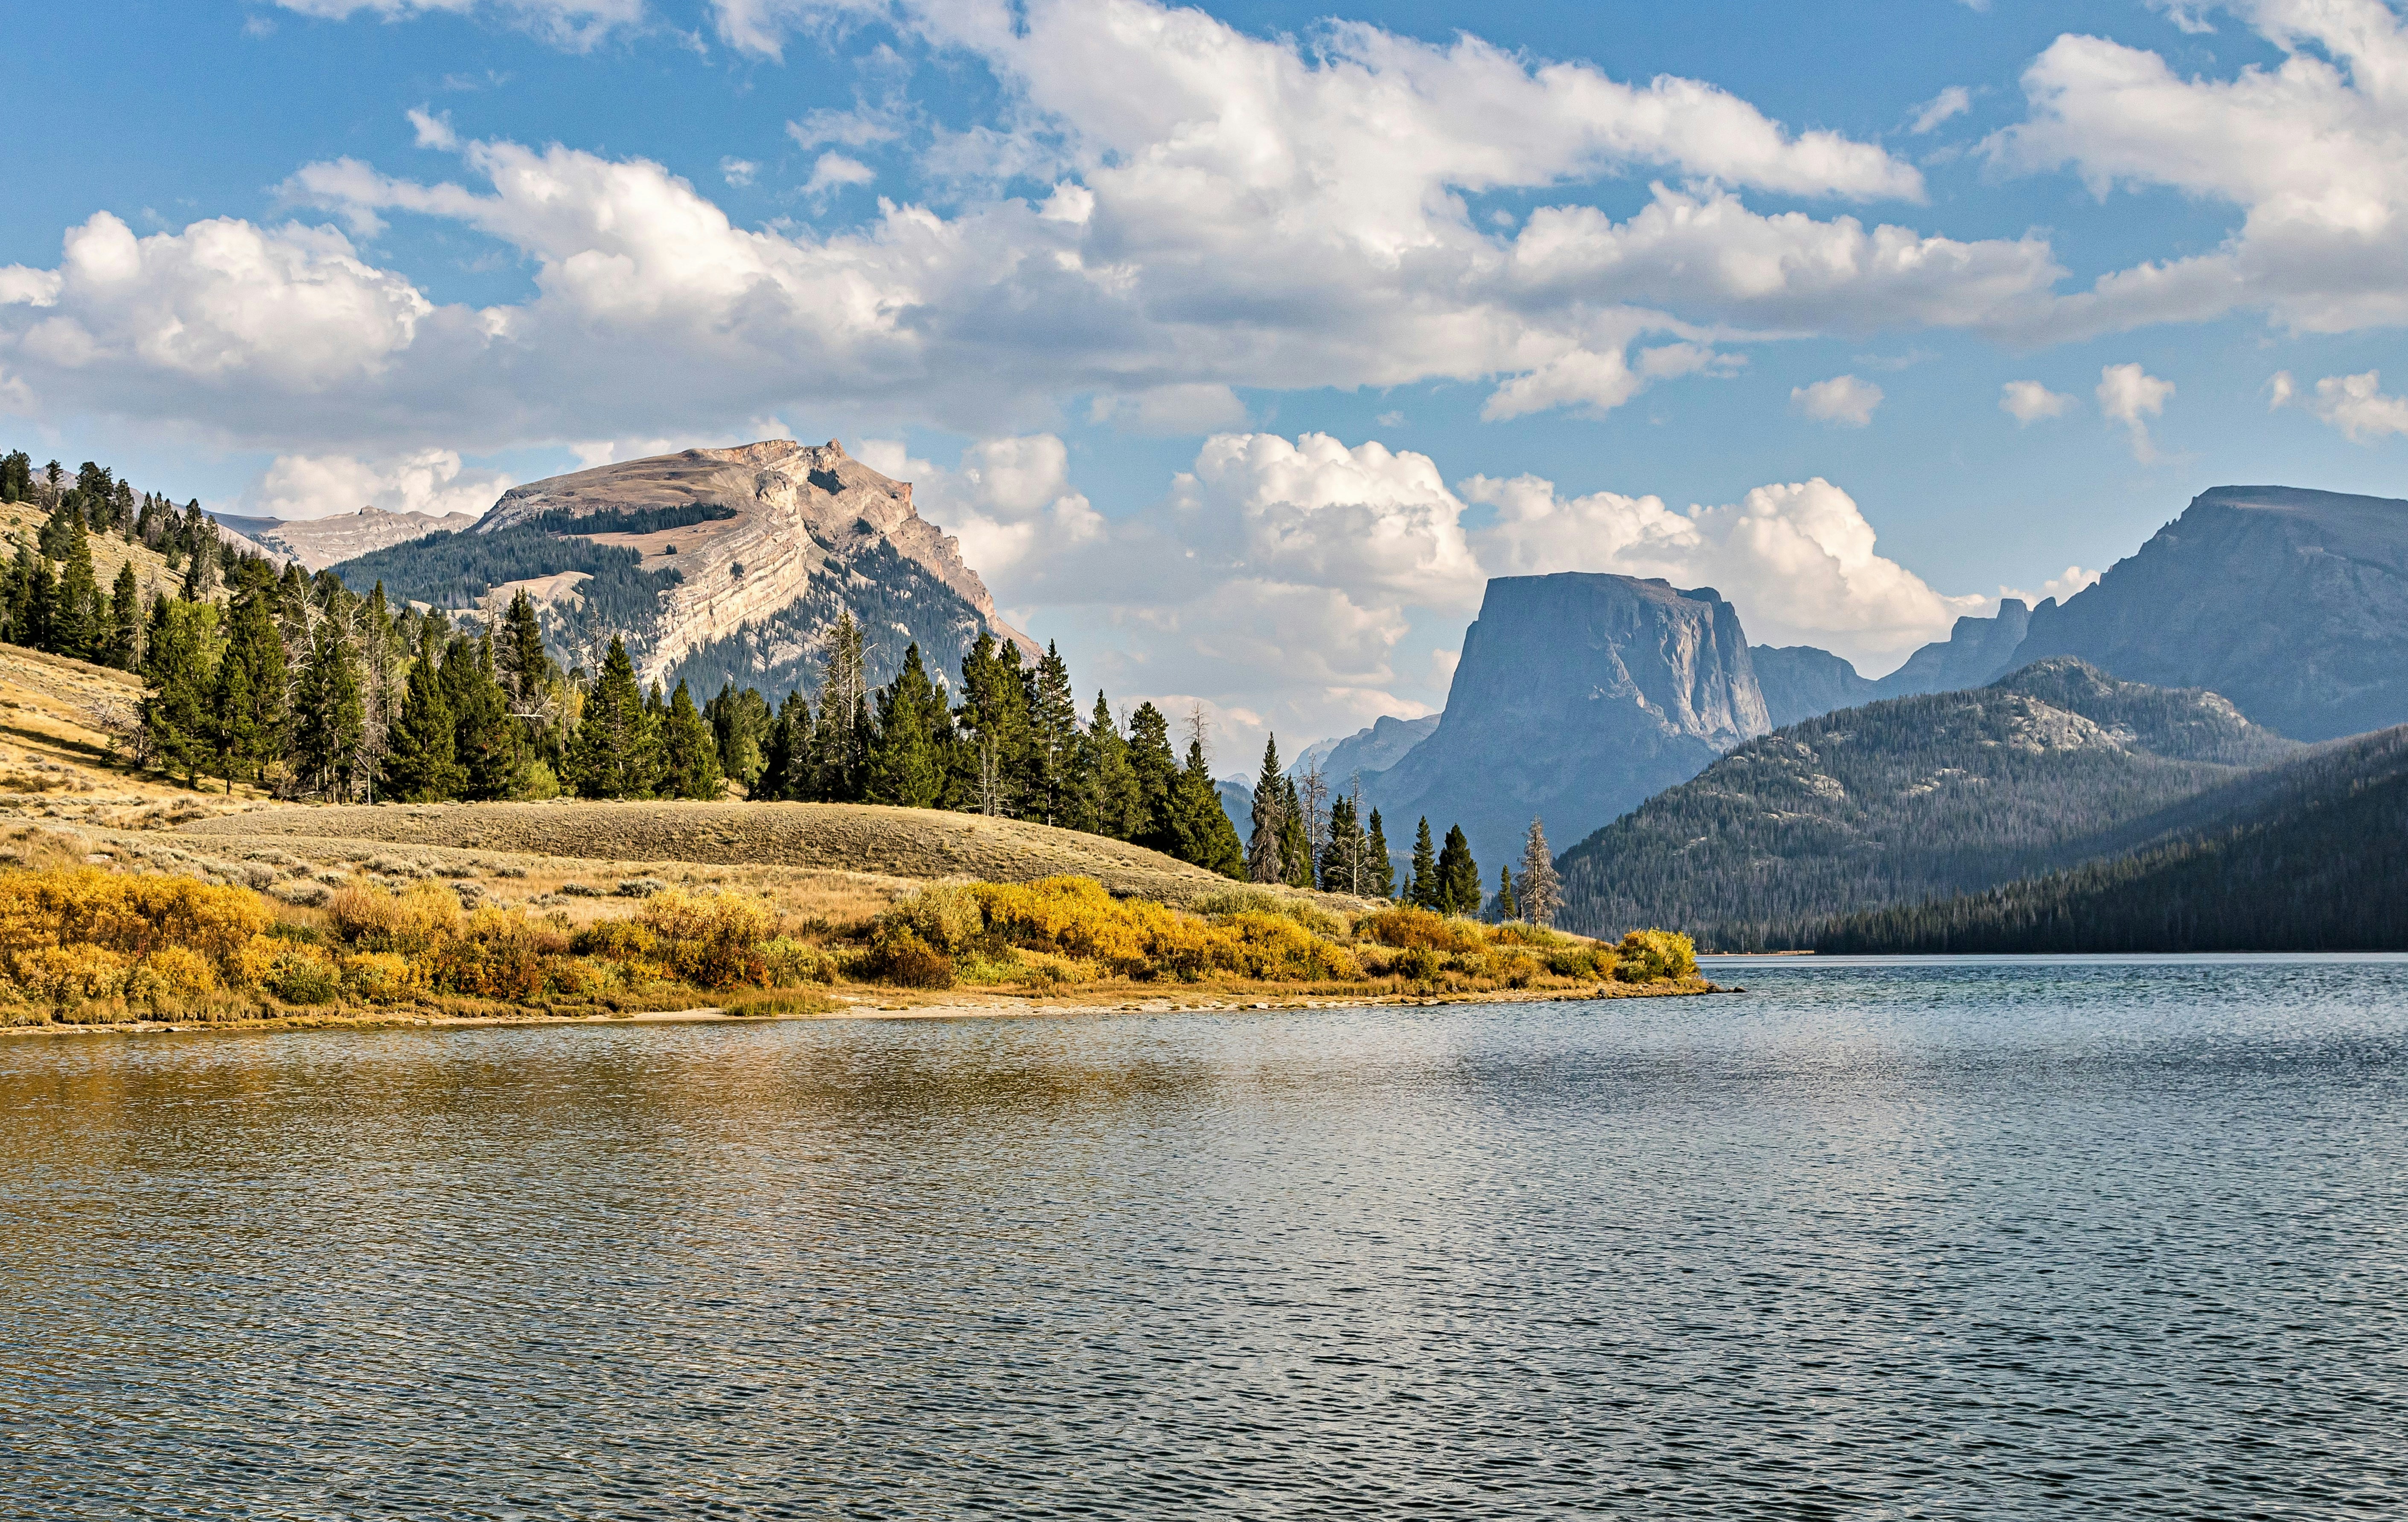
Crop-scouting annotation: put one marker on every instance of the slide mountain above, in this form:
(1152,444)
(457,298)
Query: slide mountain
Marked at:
(714,565)
(2304,855)
(1906,800)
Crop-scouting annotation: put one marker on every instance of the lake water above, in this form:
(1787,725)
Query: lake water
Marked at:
(2111,1238)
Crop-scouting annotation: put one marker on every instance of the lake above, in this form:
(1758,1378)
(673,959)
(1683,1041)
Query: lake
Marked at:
(1943,1239)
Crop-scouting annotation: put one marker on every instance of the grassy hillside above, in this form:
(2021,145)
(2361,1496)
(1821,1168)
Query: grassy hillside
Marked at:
(23,521)
(915,843)
(1907,800)
(2309,855)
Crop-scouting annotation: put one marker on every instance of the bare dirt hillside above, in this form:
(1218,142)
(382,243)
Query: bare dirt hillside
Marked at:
(834,836)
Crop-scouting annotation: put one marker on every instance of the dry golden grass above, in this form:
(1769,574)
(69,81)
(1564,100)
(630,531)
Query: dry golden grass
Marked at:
(865,838)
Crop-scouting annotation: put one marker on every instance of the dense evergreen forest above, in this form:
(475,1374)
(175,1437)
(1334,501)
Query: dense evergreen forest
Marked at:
(1907,800)
(2306,856)
(335,688)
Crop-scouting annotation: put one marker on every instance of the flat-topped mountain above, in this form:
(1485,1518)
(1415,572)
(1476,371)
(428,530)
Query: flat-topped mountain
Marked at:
(1577,696)
(1905,799)
(714,564)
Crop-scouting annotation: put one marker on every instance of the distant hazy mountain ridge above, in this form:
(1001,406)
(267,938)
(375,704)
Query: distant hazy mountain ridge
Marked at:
(319,544)
(1905,799)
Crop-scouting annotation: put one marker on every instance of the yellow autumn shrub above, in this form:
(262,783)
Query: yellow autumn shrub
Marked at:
(129,915)
(1654,955)
(711,940)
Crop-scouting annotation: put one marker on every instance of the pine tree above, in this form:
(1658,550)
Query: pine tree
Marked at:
(1422,890)
(1104,790)
(422,756)
(1458,875)
(1202,833)
(1380,875)
(614,754)
(176,674)
(907,761)
(785,768)
(247,700)
(1054,740)
(1158,776)
(1508,907)
(689,752)
(740,722)
(1344,865)
(124,646)
(487,741)
(1543,893)
(1296,840)
(841,739)
(1264,863)
(78,628)
(995,739)
(519,658)
(329,719)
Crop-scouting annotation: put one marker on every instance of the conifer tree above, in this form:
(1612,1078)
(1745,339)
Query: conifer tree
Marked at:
(841,737)
(740,722)
(1202,832)
(1379,877)
(518,658)
(1508,907)
(78,628)
(785,765)
(1157,775)
(906,760)
(1421,889)
(1296,840)
(615,750)
(124,646)
(488,742)
(1104,792)
(1345,868)
(330,721)
(1264,855)
(176,674)
(247,700)
(1543,893)
(422,752)
(1053,740)
(995,728)
(41,607)
(1458,875)
(689,751)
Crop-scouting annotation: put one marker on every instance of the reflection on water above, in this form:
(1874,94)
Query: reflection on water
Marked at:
(1975,1239)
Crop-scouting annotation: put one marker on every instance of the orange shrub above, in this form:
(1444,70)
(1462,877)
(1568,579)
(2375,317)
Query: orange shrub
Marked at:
(1411,929)
(132,916)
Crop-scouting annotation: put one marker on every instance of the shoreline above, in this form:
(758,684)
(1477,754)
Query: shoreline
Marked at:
(999,1007)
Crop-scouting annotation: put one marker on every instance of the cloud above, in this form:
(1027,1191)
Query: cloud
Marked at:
(2356,406)
(2130,395)
(429,481)
(834,172)
(1797,559)
(573,24)
(1171,409)
(1008,498)
(1954,101)
(1842,400)
(2028,401)
(2071,580)
(2279,391)
(739,172)
(2313,151)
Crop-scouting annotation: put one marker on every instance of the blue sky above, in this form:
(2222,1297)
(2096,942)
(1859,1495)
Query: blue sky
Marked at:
(1241,345)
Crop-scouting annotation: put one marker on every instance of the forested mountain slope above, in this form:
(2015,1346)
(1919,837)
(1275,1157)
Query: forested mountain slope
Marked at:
(2308,855)
(1904,800)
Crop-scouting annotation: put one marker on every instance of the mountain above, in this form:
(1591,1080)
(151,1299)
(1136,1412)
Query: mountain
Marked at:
(1577,696)
(320,543)
(715,565)
(2292,603)
(1977,652)
(1905,799)
(2303,855)
(1799,681)
(1375,749)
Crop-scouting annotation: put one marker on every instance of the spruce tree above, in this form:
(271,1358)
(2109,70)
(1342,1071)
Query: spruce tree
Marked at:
(1156,770)
(1543,891)
(1264,858)
(995,740)
(488,742)
(1422,890)
(1295,839)
(1202,828)
(740,723)
(176,676)
(786,766)
(247,700)
(78,628)
(1343,863)
(329,719)
(124,646)
(1053,740)
(615,752)
(906,760)
(1458,876)
(1508,907)
(422,756)
(689,752)
(519,658)
(1380,875)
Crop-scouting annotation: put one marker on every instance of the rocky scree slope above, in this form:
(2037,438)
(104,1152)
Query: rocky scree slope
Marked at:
(1907,800)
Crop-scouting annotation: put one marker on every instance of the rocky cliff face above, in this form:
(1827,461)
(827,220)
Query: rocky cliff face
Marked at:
(321,542)
(1977,652)
(1799,681)
(808,531)
(1366,751)
(2292,603)
(1577,696)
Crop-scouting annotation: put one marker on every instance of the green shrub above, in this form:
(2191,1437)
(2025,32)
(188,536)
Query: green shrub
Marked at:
(1574,962)
(1228,903)
(1655,956)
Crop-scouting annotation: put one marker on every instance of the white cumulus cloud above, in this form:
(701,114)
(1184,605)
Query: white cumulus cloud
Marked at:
(2028,401)
(1842,400)
(2132,395)
(433,482)
(2356,405)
